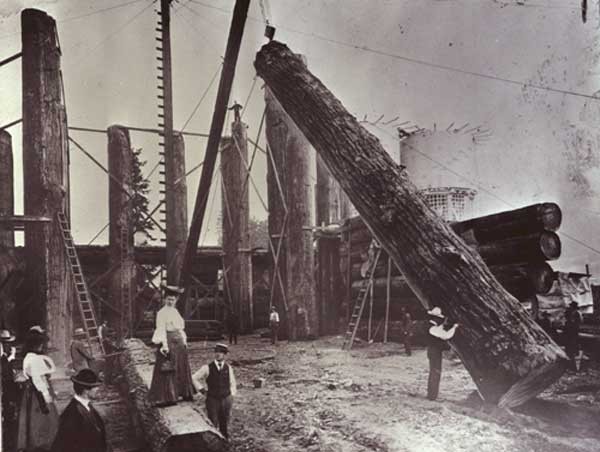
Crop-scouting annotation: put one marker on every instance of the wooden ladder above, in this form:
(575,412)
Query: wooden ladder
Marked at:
(359,303)
(84,301)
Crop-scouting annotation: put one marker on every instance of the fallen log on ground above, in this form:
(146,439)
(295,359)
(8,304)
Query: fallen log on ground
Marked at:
(183,427)
(509,357)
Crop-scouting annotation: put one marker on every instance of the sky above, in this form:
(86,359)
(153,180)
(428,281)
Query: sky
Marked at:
(526,70)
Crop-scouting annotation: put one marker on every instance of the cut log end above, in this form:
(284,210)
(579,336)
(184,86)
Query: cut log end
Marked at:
(533,384)
(550,245)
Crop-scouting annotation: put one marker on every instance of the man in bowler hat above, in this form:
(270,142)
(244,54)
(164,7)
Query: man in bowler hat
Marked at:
(81,428)
(217,382)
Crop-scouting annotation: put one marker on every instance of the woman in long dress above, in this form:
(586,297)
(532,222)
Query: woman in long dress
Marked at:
(38,417)
(168,385)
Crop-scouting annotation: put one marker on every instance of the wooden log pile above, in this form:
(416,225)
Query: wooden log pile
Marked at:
(514,244)
(183,427)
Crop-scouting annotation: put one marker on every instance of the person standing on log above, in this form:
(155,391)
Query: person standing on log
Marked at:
(172,376)
(439,333)
(81,428)
(571,333)
(217,381)
(80,353)
(274,324)
(406,323)
(38,417)
(9,389)
(233,326)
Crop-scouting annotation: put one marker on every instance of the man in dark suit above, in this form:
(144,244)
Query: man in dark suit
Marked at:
(81,428)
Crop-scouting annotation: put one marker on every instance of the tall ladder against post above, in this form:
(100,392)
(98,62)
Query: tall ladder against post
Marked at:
(84,301)
(359,303)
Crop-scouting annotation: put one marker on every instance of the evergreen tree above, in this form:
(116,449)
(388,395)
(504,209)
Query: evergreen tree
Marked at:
(140,202)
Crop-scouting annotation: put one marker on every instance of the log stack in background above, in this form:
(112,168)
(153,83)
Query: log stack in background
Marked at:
(515,245)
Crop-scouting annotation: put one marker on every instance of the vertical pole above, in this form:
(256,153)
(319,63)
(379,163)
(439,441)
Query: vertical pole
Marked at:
(236,31)
(120,167)
(235,217)
(174,158)
(323,193)
(176,207)
(372,283)
(388,291)
(45,160)
(7,203)
(285,139)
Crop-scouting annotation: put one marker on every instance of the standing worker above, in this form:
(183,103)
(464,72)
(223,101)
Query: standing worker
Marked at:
(406,322)
(233,326)
(9,389)
(217,381)
(274,324)
(439,333)
(80,353)
(571,333)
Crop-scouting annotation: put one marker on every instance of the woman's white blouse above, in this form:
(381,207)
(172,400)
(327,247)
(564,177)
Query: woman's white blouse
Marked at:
(36,367)
(168,319)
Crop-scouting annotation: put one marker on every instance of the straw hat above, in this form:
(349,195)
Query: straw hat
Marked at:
(78,332)
(221,348)
(172,290)
(6,336)
(436,312)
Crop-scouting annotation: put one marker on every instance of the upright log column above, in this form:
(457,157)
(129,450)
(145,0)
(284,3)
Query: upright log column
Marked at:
(235,216)
(303,319)
(45,163)
(7,203)
(121,258)
(322,194)
(176,207)
(276,131)
(509,357)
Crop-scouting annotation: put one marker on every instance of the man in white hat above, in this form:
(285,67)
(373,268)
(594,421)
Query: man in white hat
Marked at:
(80,354)
(81,428)
(439,333)
(217,381)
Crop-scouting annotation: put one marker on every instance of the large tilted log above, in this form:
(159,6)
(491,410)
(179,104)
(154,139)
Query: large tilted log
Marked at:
(525,221)
(176,428)
(509,357)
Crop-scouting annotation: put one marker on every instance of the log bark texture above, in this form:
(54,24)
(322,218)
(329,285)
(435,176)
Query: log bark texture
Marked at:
(45,170)
(12,272)
(176,208)
(120,232)
(179,428)
(322,194)
(509,357)
(7,196)
(303,319)
(235,217)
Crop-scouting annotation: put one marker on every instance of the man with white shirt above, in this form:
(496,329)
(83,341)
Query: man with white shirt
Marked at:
(217,381)
(440,332)
(274,324)
(81,428)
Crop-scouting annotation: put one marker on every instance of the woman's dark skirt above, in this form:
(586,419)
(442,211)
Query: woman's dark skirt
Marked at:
(36,429)
(167,388)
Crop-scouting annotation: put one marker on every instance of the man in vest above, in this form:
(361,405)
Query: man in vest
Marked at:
(217,382)
(440,332)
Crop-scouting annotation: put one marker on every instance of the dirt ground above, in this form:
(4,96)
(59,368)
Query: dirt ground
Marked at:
(316,397)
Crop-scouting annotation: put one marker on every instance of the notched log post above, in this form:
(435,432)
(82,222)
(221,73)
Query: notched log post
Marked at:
(508,355)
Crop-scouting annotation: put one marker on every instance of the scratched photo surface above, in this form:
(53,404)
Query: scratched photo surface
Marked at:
(486,106)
